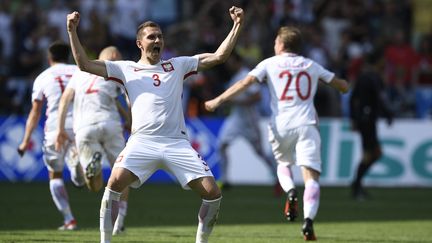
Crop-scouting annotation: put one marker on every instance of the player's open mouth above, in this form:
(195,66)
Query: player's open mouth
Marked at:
(156,49)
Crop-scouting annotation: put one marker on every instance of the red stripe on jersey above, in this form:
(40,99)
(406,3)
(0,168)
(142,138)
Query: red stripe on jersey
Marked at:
(189,74)
(115,80)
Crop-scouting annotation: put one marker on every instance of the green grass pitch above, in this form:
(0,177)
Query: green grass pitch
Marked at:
(166,213)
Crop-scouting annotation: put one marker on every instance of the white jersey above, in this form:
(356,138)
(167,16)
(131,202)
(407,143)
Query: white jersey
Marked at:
(94,101)
(293,82)
(50,85)
(155,93)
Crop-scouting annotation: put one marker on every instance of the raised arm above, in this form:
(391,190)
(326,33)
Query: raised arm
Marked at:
(32,122)
(238,87)
(91,66)
(65,100)
(208,60)
(340,84)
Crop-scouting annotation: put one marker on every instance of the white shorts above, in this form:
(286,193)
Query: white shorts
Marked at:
(304,142)
(143,156)
(54,160)
(104,137)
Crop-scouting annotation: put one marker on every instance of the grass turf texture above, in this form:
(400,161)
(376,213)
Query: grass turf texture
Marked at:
(166,213)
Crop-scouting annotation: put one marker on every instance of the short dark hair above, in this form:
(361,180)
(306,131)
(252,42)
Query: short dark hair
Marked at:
(59,51)
(291,38)
(144,25)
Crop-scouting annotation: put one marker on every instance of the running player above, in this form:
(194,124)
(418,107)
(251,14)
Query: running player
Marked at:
(243,121)
(97,125)
(293,128)
(49,86)
(159,139)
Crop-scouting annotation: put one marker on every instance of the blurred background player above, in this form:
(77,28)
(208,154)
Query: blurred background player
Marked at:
(159,137)
(293,130)
(49,86)
(367,102)
(97,125)
(243,120)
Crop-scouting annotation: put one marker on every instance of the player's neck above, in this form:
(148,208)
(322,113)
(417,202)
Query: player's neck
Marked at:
(148,61)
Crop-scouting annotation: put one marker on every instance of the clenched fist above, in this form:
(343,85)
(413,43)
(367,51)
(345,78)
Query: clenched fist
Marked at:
(72,21)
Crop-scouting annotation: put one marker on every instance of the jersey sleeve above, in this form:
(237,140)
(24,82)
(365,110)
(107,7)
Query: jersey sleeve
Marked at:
(259,71)
(189,65)
(323,74)
(37,92)
(115,71)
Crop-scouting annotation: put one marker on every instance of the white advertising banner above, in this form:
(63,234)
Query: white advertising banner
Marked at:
(406,160)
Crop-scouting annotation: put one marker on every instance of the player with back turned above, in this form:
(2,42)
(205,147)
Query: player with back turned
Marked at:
(48,87)
(293,128)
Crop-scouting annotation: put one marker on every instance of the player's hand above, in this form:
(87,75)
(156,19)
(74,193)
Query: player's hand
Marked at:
(72,21)
(61,139)
(211,105)
(22,149)
(236,14)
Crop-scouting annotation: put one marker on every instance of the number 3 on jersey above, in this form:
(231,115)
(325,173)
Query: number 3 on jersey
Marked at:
(303,96)
(156,79)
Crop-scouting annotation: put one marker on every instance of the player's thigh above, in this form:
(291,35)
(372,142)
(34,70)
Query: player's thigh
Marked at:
(206,187)
(282,147)
(308,148)
(184,162)
(141,157)
(87,142)
(368,134)
(53,159)
(113,142)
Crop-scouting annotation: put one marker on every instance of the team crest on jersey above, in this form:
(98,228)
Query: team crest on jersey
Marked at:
(167,67)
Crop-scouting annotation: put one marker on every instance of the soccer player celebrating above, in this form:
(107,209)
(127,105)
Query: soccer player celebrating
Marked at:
(293,128)
(97,125)
(49,86)
(159,139)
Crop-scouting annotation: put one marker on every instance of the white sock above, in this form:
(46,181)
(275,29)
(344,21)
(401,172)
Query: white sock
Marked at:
(311,199)
(121,216)
(108,213)
(207,217)
(285,177)
(60,198)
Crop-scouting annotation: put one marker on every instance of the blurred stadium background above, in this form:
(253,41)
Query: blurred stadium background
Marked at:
(338,35)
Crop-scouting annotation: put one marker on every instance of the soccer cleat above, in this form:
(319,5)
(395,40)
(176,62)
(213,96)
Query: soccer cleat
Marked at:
(94,167)
(71,225)
(358,192)
(307,230)
(291,205)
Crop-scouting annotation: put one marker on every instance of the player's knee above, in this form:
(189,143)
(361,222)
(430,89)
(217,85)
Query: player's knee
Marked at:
(213,193)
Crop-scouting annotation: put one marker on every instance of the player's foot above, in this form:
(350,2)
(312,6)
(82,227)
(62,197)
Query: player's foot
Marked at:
(291,205)
(119,231)
(358,192)
(94,167)
(71,225)
(307,230)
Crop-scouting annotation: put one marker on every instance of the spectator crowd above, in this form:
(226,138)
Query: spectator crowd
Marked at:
(339,35)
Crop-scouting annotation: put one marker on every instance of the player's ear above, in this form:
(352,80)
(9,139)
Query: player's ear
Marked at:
(138,43)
